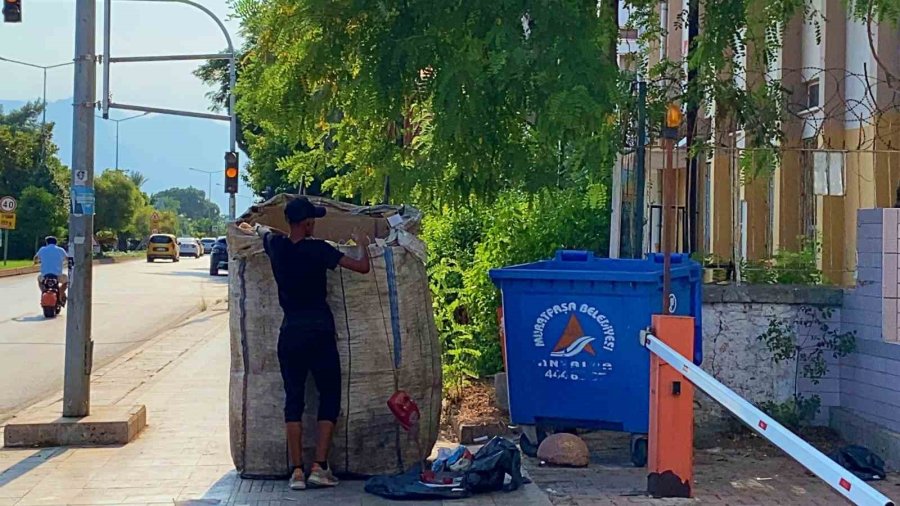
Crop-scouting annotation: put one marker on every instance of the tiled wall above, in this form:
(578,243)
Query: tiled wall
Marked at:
(870,377)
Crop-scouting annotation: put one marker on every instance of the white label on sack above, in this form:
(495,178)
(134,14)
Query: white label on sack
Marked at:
(394,220)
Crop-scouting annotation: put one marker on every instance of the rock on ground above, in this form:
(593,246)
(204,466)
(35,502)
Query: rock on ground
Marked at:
(564,450)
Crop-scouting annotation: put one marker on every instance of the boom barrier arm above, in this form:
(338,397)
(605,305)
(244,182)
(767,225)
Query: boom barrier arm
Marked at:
(847,484)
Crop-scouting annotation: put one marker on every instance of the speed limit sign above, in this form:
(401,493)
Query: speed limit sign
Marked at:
(8,204)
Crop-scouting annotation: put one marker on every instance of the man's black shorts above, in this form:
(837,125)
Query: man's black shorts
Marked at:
(301,351)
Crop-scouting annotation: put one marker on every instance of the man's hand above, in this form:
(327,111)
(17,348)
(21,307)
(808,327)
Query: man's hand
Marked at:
(361,240)
(246,228)
(361,264)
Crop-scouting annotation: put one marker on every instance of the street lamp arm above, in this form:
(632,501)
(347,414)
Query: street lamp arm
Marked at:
(202,8)
(32,65)
(206,171)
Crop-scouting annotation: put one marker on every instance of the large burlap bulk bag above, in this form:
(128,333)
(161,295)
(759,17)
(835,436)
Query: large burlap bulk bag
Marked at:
(385,334)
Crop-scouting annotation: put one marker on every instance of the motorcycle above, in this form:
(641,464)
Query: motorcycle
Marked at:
(52,300)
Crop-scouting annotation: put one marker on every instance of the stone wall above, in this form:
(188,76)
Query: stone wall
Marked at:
(733,319)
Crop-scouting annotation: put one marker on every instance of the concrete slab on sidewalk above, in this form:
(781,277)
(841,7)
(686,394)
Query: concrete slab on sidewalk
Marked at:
(106,425)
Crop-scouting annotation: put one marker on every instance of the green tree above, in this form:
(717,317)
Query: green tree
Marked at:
(448,100)
(37,217)
(142,225)
(22,175)
(262,169)
(117,201)
(190,202)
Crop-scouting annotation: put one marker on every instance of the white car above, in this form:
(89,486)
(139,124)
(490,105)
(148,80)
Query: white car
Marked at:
(188,246)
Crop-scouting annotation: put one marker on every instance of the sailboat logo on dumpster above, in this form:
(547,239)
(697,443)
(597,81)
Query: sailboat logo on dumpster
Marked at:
(573,341)
(582,350)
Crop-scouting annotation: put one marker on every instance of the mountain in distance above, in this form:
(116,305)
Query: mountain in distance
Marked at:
(162,147)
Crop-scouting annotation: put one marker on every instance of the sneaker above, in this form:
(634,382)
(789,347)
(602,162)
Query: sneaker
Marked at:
(297,482)
(322,477)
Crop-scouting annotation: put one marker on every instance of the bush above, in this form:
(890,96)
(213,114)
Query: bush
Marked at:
(787,267)
(468,241)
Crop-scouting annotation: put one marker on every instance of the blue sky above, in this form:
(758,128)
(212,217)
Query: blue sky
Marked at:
(46,36)
(160,146)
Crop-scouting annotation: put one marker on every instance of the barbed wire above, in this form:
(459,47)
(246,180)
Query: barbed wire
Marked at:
(858,100)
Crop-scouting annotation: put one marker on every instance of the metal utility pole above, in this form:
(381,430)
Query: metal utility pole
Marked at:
(693,108)
(108,104)
(671,125)
(209,192)
(640,153)
(44,69)
(79,346)
(117,131)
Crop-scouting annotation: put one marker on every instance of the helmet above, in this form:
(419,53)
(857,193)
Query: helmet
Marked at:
(50,239)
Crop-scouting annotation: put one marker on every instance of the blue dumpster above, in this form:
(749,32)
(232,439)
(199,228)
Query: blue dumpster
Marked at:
(572,328)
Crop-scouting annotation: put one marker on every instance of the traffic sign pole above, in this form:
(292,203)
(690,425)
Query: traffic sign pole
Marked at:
(8,207)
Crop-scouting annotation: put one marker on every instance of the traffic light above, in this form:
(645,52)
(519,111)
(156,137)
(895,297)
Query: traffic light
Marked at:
(231,172)
(12,11)
(672,122)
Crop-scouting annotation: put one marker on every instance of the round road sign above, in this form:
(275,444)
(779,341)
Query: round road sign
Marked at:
(8,204)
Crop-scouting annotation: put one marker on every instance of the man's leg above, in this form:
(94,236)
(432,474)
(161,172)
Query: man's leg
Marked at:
(295,443)
(324,433)
(326,370)
(63,285)
(293,375)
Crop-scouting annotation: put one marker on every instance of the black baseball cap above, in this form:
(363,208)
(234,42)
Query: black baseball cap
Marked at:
(300,209)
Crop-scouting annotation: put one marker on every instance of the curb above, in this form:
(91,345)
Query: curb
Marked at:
(49,399)
(6,273)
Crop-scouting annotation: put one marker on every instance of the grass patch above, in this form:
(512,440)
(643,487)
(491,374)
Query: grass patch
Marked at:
(15,264)
(112,254)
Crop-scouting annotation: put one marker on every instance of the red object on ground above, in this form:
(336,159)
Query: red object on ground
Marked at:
(404,409)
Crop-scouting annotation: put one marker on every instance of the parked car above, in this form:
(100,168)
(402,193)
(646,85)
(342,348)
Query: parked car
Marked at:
(162,246)
(207,243)
(218,258)
(188,246)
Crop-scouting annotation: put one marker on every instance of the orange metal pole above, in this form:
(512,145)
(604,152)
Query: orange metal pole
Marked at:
(670,463)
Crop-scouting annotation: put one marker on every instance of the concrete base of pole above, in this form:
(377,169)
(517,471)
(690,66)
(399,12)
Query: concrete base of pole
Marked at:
(106,425)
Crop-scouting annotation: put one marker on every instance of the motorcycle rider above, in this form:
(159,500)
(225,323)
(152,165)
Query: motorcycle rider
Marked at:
(54,260)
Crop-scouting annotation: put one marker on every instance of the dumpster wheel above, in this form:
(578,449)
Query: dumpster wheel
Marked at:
(531,438)
(639,450)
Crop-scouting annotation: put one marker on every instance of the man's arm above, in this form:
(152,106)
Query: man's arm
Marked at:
(360,264)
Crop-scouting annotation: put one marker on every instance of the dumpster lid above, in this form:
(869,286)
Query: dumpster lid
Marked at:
(577,265)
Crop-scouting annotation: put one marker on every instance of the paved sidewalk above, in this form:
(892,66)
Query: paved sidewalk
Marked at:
(758,474)
(182,457)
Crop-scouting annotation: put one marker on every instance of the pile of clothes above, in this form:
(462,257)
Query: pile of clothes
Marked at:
(456,473)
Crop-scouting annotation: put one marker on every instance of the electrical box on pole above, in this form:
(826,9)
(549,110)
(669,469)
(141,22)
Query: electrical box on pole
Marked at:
(231,172)
(12,11)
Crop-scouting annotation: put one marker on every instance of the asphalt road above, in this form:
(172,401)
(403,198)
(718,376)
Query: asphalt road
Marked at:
(133,301)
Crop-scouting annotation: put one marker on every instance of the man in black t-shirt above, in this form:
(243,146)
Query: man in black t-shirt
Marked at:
(306,342)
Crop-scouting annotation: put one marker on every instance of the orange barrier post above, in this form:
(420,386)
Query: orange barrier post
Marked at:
(670,463)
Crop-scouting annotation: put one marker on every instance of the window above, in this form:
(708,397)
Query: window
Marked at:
(812,94)
(161,239)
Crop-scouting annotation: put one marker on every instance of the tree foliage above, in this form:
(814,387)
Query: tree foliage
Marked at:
(117,201)
(451,100)
(41,186)
(190,202)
